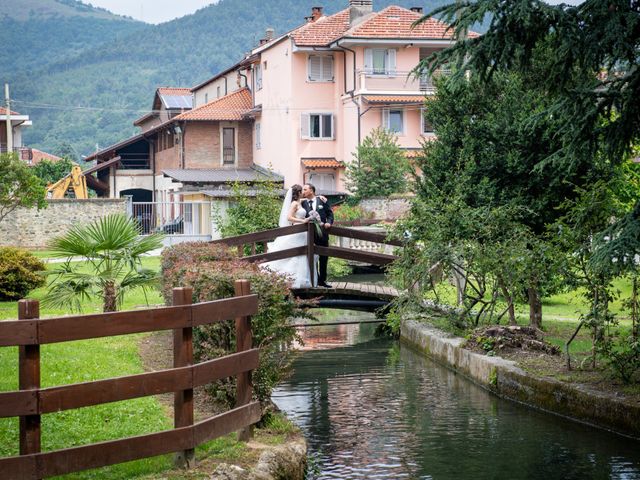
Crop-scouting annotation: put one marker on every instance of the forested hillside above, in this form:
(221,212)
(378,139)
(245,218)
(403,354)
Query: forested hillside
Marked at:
(90,97)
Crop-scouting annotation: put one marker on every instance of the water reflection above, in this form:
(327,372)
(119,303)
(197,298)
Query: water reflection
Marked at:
(375,409)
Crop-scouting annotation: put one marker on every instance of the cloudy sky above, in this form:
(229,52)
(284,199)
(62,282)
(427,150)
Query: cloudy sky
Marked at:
(152,11)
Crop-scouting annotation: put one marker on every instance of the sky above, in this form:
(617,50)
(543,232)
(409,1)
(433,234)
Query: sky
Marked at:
(152,11)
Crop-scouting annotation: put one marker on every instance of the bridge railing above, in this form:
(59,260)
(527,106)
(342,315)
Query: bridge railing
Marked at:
(311,249)
(31,401)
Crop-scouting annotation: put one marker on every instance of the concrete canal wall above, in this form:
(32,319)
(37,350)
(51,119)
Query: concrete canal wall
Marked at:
(506,380)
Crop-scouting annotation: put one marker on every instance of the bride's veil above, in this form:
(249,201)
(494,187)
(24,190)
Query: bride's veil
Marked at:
(286,206)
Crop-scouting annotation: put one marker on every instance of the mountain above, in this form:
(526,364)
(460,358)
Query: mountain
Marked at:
(88,94)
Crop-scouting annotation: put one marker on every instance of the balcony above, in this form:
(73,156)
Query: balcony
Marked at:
(24,153)
(396,82)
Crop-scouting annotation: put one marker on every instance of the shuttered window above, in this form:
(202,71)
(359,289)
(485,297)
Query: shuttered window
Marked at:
(320,68)
(317,126)
(380,61)
(258,134)
(393,120)
(425,127)
(257,71)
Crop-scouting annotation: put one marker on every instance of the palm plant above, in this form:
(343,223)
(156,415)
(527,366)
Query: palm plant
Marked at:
(112,248)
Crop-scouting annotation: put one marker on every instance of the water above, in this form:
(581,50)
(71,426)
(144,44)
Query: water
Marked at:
(373,408)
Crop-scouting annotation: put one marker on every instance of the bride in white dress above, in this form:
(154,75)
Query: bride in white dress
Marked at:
(297,268)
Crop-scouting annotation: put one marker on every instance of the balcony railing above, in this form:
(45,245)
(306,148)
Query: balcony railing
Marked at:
(369,81)
(24,153)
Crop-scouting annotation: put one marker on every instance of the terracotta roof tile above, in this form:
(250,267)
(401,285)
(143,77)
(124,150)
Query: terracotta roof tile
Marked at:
(322,163)
(174,91)
(392,22)
(230,107)
(323,31)
(395,98)
(38,155)
(396,22)
(3,111)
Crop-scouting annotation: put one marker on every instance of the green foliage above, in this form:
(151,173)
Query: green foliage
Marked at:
(350,213)
(379,167)
(247,214)
(19,187)
(338,268)
(622,353)
(20,272)
(50,172)
(211,271)
(113,248)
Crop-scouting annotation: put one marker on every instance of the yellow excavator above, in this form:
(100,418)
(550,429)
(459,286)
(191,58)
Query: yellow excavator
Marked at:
(75,181)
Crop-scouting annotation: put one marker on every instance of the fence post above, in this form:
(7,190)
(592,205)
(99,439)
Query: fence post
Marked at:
(29,378)
(182,357)
(311,238)
(244,341)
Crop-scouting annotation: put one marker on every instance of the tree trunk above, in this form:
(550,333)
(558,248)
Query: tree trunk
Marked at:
(535,307)
(109,298)
(509,298)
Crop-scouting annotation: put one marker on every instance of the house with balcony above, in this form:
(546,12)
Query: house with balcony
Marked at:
(321,88)
(18,123)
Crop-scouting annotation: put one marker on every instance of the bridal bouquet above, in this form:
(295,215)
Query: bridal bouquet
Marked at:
(315,218)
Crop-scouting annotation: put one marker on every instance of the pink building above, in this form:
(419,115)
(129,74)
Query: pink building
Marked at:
(321,88)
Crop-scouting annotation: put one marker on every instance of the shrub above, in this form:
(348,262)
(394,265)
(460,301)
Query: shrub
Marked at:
(20,272)
(211,271)
(350,213)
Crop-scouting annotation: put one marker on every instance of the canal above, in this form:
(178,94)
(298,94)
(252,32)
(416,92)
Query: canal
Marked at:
(374,408)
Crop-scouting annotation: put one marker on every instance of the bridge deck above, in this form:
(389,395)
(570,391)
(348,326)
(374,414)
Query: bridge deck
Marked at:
(349,289)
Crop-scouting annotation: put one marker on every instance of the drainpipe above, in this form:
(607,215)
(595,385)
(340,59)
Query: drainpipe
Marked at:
(350,92)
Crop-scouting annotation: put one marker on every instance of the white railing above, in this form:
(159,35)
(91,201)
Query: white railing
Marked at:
(369,81)
(173,218)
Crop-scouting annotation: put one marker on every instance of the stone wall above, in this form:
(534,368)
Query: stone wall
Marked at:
(386,208)
(507,380)
(32,228)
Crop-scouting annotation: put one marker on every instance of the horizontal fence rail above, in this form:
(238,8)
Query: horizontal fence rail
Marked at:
(31,401)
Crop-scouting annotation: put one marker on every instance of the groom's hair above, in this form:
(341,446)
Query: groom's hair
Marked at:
(311,186)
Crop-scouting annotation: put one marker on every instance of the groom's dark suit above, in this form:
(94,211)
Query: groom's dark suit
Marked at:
(326,216)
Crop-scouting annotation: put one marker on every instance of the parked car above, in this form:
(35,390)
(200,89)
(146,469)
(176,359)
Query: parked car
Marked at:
(171,227)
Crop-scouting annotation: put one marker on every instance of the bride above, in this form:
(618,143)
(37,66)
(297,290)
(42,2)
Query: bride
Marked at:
(297,268)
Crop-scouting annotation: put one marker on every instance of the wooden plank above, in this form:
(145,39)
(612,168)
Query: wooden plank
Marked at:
(277,255)
(363,235)
(183,357)
(224,367)
(359,256)
(81,327)
(311,260)
(224,309)
(265,235)
(21,332)
(18,468)
(244,341)
(16,404)
(227,422)
(102,454)
(66,397)
(29,379)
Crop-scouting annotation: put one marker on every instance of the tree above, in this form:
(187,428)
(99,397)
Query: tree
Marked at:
(379,167)
(595,43)
(110,250)
(19,187)
(49,171)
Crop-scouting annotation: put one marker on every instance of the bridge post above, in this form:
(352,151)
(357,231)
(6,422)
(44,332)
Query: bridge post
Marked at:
(244,341)
(311,238)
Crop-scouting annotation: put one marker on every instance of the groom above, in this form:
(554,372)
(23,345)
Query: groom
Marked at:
(311,202)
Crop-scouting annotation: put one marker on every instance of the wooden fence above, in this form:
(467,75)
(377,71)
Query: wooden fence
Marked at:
(31,401)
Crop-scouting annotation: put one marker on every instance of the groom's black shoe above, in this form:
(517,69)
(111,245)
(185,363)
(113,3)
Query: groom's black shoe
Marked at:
(324,285)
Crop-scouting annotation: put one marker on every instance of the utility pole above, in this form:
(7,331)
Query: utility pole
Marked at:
(9,129)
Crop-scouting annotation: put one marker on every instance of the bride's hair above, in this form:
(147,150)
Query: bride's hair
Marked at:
(296,190)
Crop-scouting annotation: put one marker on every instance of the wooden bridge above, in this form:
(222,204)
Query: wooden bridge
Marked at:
(350,296)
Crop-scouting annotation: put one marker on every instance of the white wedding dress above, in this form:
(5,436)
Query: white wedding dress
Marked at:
(297,268)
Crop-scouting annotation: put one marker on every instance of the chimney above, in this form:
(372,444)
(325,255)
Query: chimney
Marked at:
(263,41)
(269,34)
(308,19)
(316,13)
(358,9)
(416,10)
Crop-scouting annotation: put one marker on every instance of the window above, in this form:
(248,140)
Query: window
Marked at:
(320,68)
(228,146)
(425,127)
(323,181)
(258,139)
(206,98)
(257,71)
(380,61)
(218,91)
(317,125)
(393,120)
